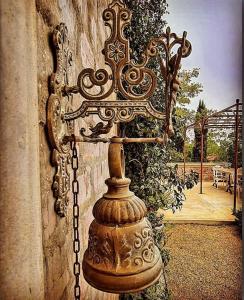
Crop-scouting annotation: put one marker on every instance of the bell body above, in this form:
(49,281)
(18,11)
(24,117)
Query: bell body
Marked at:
(121,255)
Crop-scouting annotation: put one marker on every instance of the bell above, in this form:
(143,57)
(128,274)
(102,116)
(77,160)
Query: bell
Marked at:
(121,256)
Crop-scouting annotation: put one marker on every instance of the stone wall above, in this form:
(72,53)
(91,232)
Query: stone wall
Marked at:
(87,35)
(207,169)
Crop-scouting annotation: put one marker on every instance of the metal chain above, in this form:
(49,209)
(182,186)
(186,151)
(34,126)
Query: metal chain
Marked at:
(76,241)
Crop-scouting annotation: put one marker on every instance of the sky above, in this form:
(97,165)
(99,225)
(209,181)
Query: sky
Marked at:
(214,28)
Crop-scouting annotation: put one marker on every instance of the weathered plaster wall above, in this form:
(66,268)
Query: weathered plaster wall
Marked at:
(21,255)
(87,35)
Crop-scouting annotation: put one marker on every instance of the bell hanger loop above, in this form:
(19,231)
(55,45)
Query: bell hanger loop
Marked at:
(116,159)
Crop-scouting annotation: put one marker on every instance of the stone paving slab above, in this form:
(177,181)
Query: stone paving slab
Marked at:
(214,205)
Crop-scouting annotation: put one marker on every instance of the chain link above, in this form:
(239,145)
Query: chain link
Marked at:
(76,241)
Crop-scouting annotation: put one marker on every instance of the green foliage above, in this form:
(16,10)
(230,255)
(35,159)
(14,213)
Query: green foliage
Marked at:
(238,219)
(201,111)
(189,150)
(181,117)
(189,89)
(221,145)
(231,154)
(217,144)
(176,156)
(147,22)
(224,146)
(200,114)
(213,148)
(152,179)
(192,178)
(184,116)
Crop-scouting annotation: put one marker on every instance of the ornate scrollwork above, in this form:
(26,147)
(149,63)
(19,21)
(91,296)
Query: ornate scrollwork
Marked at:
(135,82)
(144,243)
(125,77)
(169,67)
(118,111)
(117,57)
(63,58)
(61,183)
(57,126)
(140,250)
(101,251)
(100,128)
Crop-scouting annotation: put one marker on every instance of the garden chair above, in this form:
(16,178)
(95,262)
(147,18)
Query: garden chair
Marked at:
(218,176)
(239,183)
(230,182)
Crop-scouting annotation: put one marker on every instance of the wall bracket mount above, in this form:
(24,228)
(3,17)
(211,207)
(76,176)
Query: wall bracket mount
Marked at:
(134,83)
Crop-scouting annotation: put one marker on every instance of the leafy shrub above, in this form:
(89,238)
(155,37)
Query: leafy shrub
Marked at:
(238,220)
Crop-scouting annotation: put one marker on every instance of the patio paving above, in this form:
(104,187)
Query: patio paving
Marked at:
(214,206)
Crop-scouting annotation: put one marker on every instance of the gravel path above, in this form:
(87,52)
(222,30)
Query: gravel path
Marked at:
(205,262)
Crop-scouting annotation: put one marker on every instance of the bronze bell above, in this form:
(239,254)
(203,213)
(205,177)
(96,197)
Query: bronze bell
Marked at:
(121,256)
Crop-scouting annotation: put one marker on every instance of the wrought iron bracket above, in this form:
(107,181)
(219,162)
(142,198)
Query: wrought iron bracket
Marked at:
(58,128)
(133,81)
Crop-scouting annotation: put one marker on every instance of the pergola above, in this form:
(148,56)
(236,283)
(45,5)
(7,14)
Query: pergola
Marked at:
(228,118)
